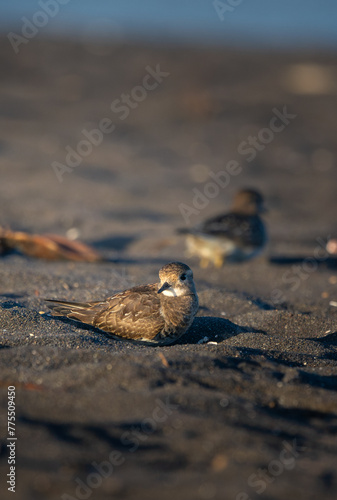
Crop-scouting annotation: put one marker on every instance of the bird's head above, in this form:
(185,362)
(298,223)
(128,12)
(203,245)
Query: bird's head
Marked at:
(248,202)
(176,279)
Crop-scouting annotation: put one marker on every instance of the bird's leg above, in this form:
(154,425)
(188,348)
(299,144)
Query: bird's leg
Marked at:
(219,261)
(204,262)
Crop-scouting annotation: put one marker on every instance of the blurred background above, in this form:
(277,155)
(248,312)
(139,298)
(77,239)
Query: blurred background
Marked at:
(258,23)
(227,65)
(113,115)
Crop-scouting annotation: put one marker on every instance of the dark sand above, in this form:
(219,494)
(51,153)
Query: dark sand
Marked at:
(251,415)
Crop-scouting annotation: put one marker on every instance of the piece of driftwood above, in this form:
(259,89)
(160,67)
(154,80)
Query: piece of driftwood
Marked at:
(47,246)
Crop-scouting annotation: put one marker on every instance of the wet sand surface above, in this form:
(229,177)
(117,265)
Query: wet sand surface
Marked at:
(244,406)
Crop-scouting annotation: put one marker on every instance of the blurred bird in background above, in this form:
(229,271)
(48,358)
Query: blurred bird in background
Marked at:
(235,236)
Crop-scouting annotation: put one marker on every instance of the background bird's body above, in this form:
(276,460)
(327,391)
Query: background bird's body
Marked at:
(233,237)
(157,313)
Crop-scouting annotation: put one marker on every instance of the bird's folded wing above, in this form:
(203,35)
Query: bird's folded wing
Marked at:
(228,225)
(133,313)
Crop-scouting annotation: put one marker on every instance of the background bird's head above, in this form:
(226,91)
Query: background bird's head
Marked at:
(248,202)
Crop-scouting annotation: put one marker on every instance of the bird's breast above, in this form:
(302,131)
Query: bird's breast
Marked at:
(179,311)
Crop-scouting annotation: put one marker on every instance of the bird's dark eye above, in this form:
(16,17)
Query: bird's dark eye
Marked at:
(183,277)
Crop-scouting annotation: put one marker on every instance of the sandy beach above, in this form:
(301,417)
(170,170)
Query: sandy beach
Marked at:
(116,145)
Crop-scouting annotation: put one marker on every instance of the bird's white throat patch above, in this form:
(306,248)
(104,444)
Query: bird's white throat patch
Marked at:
(173,292)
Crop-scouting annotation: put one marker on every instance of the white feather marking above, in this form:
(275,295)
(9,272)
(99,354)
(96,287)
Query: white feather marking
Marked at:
(173,292)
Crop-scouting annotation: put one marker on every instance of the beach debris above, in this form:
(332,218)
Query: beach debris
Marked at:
(203,341)
(47,246)
(219,462)
(308,78)
(29,386)
(333,303)
(332,246)
(163,359)
(73,233)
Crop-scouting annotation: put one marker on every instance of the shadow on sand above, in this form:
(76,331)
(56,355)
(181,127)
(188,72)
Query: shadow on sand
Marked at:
(213,328)
(280,260)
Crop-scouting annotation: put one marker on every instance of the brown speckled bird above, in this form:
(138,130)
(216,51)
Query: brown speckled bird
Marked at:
(157,314)
(236,236)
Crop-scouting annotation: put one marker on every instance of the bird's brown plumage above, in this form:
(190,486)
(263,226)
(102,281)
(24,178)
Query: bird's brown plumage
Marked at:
(157,313)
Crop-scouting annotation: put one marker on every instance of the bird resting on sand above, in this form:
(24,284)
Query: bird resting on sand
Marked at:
(157,313)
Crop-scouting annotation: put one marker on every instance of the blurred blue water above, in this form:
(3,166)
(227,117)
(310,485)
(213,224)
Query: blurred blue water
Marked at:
(266,23)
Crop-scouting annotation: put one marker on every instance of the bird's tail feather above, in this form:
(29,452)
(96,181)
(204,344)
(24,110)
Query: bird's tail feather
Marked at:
(82,311)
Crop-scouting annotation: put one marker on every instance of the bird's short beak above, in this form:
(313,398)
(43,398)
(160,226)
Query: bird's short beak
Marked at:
(165,286)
